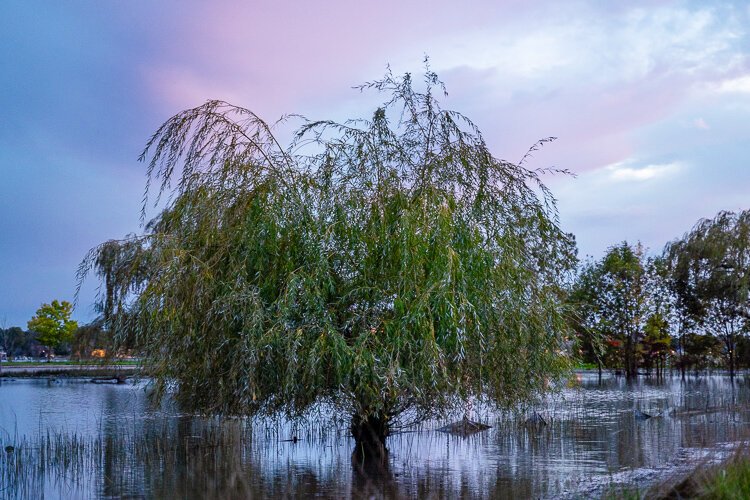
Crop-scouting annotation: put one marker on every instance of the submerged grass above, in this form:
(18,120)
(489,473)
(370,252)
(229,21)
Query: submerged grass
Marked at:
(122,463)
(181,456)
(189,456)
(172,454)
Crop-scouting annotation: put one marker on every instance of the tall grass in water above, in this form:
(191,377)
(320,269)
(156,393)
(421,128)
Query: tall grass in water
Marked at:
(126,462)
(169,457)
(29,467)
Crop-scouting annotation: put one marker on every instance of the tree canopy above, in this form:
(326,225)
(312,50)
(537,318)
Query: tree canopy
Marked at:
(690,306)
(53,325)
(611,297)
(12,340)
(710,275)
(391,267)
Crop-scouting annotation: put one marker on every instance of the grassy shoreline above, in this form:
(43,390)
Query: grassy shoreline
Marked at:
(728,479)
(11,364)
(68,369)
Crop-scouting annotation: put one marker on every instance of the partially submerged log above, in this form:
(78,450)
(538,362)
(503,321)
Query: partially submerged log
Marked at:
(119,379)
(464,427)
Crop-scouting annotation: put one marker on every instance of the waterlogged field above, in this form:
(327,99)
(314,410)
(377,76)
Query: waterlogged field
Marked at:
(74,439)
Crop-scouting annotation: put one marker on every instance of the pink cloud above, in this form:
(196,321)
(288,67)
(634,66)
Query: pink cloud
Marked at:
(279,57)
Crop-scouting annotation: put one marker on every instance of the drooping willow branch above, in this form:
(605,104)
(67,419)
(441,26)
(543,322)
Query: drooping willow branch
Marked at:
(390,266)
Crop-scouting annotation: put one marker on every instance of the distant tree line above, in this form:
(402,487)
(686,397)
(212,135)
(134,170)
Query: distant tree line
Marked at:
(17,343)
(686,309)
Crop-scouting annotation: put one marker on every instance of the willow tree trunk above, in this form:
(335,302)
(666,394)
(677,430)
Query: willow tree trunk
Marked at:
(369,437)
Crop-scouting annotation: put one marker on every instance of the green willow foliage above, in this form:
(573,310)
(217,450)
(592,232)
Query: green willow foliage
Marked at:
(383,266)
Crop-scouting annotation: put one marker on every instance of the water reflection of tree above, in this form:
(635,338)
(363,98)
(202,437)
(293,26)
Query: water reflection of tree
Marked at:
(119,473)
(594,433)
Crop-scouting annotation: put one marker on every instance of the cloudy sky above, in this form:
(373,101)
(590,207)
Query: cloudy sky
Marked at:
(650,102)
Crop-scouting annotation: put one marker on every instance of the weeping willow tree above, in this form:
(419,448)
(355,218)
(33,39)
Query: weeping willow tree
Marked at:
(390,267)
(709,275)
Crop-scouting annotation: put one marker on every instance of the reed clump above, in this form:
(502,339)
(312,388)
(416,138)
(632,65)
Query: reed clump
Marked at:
(128,462)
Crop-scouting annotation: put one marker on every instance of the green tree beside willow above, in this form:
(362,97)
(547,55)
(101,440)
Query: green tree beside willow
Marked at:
(588,318)
(52,325)
(389,267)
(611,298)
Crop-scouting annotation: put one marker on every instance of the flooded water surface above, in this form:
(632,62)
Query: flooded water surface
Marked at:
(74,439)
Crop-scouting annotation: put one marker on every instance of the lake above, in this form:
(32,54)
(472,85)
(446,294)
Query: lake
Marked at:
(75,439)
